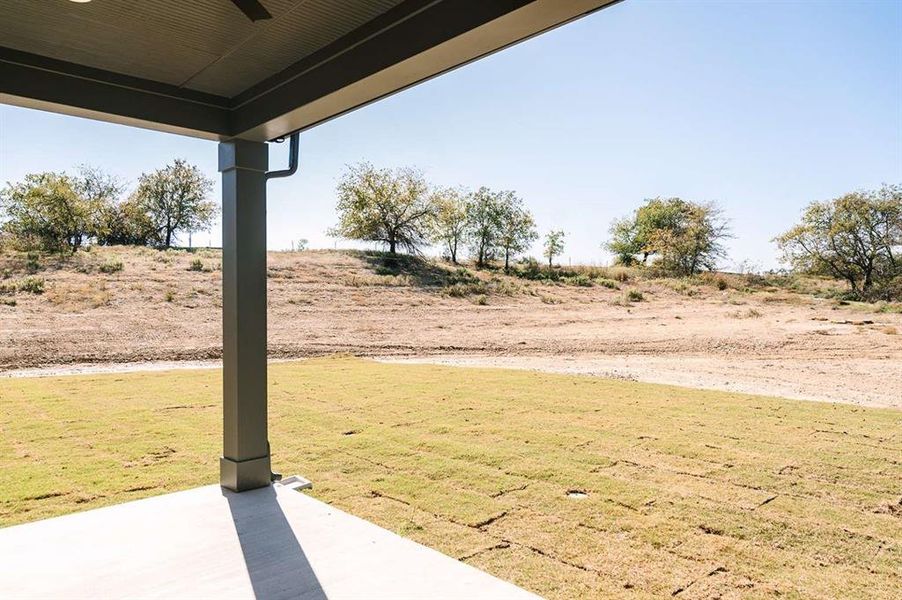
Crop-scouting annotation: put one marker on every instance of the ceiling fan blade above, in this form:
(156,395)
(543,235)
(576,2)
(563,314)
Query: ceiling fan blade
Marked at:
(252,9)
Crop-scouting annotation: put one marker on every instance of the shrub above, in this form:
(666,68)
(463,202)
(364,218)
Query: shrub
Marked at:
(463,290)
(170,296)
(503,287)
(579,280)
(608,283)
(890,307)
(635,296)
(718,280)
(377,280)
(32,285)
(481,300)
(33,262)
(462,275)
(620,274)
(77,297)
(531,270)
(196,265)
(111,266)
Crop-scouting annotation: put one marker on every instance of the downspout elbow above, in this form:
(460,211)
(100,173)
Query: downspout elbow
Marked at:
(293,151)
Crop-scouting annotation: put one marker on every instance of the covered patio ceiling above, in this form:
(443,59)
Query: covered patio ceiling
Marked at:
(224,69)
(245,72)
(242,72)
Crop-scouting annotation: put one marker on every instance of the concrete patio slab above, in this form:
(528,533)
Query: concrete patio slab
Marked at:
(270,543)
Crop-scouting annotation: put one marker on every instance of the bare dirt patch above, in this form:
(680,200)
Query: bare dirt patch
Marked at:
(834,380)
(161,307)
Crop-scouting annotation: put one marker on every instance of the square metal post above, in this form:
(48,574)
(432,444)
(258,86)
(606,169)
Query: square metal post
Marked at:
(245,462)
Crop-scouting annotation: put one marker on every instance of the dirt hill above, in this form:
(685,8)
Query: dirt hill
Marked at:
(115,305)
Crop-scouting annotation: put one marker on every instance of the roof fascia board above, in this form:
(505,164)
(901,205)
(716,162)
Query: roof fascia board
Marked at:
(46,84)
(438,38)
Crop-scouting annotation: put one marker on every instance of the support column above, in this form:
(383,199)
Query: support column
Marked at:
(245,460)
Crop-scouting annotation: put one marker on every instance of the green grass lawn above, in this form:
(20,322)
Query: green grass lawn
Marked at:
(689,493)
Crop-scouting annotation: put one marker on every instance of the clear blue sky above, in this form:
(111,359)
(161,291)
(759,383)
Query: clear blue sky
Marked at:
(760,106)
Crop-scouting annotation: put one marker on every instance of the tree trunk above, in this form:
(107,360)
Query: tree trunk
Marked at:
(506,260)
(391,246)
(550,257)
(868,275)
(168,231)
(453,248)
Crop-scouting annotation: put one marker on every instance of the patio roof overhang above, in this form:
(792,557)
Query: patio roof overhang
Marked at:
(213,69)
(207,70)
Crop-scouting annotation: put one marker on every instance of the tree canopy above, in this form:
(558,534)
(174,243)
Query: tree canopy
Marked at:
(484,214)
(126,223)
(500,225)
(685,237)
(52,211)
(516,227)
(56,211)
(450,226)
(554,245)
(175,200)
(856,237)
(382,205)
(631,238)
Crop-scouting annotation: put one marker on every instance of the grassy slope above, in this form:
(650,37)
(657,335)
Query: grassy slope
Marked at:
(705,492)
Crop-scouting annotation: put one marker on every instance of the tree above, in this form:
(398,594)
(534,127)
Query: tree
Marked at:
(175,200)
(99,191)
(625,242)
(484,214)
(856,237)
(381,205)
(450,225)
(631,237)
(112,221)
(126,223)
(693,242)
(685,236)
(46,210)
(554,245)
(516,227)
